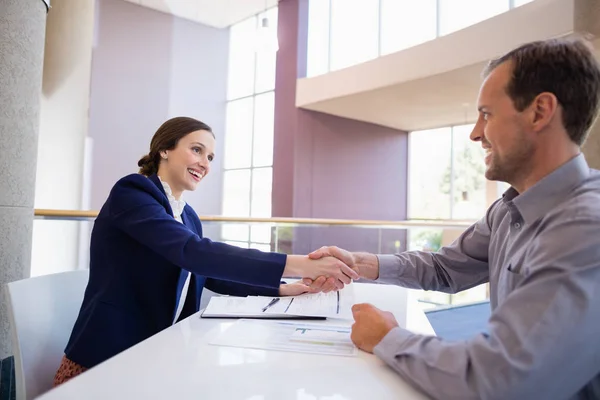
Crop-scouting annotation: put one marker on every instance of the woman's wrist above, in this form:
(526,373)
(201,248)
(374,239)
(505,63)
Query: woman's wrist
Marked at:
(293,266)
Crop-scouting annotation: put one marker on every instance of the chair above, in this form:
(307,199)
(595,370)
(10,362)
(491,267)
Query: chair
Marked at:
(42,312)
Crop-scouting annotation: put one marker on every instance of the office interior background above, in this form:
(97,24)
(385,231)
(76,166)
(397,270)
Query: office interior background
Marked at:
(350,119)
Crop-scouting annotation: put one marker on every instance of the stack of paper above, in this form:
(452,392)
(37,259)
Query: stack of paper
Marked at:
(288,336)
(317,305)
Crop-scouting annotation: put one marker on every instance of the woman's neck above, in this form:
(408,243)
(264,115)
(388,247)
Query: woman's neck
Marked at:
(175,193)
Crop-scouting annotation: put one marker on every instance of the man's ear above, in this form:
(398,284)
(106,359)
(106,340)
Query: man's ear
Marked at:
(544,108)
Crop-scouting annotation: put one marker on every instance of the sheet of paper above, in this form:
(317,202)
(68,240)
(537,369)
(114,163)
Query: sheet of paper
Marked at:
(231,305)
(332,305)
(288,336)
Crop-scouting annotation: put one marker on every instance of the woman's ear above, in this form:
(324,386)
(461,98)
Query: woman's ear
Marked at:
(164,155)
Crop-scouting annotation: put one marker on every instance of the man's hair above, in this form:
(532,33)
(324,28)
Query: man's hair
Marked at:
(565,68)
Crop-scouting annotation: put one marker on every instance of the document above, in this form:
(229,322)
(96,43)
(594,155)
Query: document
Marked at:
(288,336)
(241,307)
(314,305)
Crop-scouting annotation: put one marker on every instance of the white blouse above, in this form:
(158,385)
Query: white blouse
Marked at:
(177,206)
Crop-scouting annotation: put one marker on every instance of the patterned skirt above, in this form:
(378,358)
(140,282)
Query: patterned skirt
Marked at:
(67,370)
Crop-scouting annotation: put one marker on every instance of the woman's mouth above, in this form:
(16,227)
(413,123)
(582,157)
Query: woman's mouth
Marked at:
(195,174)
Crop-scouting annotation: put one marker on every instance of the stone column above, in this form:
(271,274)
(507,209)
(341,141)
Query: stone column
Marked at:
(22,30)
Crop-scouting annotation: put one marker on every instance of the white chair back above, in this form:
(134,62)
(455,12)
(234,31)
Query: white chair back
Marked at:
(42,312)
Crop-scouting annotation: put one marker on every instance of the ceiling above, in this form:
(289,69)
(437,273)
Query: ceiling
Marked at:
(216,13)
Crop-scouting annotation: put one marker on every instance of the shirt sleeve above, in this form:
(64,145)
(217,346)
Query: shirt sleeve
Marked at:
(239,289)
(459,266)
(542,341)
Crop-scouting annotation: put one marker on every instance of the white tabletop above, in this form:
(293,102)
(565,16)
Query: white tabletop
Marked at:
(178,363)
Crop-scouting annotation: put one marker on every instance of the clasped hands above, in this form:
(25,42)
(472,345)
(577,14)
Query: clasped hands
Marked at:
(330,268)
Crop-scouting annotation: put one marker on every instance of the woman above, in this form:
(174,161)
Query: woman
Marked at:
(149,262)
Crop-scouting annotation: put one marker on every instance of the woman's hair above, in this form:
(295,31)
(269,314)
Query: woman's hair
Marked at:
(166,138)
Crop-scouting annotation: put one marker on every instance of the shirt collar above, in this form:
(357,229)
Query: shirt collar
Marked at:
(176,205)
(551,190)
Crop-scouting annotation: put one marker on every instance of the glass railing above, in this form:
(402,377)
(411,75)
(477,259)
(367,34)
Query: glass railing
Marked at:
(61,241)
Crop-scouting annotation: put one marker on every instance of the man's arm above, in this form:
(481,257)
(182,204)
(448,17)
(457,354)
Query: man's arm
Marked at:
(459,266)
(542,341)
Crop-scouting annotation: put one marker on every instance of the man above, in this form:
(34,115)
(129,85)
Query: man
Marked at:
(538,246)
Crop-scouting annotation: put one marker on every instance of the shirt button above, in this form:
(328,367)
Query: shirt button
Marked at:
(517,225)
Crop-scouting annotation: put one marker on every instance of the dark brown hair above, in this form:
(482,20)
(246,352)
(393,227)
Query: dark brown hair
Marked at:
(564,67)
(166,138)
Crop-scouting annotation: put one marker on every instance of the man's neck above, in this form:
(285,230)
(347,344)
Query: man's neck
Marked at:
(545,161)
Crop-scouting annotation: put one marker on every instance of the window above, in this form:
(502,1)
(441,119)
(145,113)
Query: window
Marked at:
(518,3)
(342,33)
(406,23)
(354,32)
(249,129)
(454,187)
(467,176)
(317,57)
(458,14)
(428,199)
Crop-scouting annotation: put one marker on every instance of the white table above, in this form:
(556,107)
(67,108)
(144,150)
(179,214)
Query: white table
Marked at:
(178,363)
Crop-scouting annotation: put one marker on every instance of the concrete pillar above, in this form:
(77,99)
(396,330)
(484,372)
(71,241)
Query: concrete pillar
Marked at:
(22,29)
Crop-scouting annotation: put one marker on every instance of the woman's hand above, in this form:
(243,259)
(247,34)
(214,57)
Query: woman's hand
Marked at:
(321,284)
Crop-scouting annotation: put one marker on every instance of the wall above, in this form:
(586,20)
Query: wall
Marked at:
(331,167)
(148,67)
(591,147)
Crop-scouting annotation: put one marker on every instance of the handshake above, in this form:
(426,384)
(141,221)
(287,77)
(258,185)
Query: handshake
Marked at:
(326,269)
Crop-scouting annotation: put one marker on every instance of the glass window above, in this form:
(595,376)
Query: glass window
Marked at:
(429,157)
(241,52)
(243,245)
(262,180)
(458,14)
(236,193)
(249,129)
(518,3)
(260,246)
(469,182)
(238,133)
(317,57)
(264,109)
(266,55)
(354,32)
(406,23)
(237,232)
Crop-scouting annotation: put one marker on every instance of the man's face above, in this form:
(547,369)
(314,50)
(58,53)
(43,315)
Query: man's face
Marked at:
(502,129)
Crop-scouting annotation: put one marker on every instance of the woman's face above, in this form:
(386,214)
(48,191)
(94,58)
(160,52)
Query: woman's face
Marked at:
(188,163)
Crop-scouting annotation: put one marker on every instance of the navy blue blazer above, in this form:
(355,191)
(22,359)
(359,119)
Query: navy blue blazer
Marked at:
(139,258)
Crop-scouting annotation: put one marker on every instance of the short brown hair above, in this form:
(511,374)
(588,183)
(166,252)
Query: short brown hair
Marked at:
(565,67)
(166,138)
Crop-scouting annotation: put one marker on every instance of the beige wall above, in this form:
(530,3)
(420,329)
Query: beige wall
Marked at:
(591,148)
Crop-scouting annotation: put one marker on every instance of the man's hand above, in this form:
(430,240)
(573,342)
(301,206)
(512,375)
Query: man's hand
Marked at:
(328,267)
(365,264)
(370,326)
(333,251)
(321,284)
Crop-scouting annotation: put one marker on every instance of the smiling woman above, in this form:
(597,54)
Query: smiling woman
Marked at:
(149,261)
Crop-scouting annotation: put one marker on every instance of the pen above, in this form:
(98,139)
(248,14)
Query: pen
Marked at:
(274,301)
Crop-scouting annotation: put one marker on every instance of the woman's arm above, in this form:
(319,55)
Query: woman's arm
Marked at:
(136,210)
